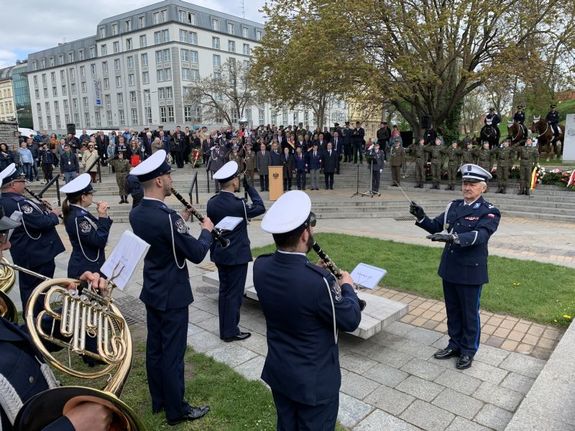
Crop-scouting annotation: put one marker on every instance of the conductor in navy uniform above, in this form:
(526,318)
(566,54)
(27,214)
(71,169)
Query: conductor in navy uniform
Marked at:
(232,261)
(35,243)
(468,224)
(166,290)
(88,234)
(304,306)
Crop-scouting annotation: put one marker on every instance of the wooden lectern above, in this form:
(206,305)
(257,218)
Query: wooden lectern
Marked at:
(276,182)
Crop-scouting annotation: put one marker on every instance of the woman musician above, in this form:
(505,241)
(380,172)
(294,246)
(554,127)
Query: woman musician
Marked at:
(88,234)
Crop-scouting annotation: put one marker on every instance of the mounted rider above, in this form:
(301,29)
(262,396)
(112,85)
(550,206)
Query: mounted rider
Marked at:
(519,118)
(553,121)
(493,119)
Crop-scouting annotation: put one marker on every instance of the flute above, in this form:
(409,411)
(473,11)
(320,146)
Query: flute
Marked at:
(332,267)
(224,242)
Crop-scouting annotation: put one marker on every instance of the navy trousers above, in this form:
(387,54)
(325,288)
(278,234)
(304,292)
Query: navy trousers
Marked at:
(28,283)
(463,324)
(165,349)
(294,416)
(232,286)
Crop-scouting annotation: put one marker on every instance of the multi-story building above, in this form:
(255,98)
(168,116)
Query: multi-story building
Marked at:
(7,109)
(21,94)
(139,68)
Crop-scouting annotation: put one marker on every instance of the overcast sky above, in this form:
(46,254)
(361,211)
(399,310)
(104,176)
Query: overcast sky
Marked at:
(33,25)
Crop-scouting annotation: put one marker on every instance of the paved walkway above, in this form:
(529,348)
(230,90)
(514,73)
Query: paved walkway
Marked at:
(391,382)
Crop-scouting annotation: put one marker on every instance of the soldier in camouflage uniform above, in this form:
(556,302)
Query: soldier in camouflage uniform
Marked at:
(504,157)
(396,160)
(453,162)
(436,156)
(484,157)
(528,157)
(418,152)
(467,153)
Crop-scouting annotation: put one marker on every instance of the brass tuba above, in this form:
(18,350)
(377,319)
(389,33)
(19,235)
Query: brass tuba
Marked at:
(73,316)
(7,276)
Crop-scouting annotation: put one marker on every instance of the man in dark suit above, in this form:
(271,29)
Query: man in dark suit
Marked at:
(166,291)
(329,166)
(232,261)
(469,223)
(337,145)
(357,142)
(263,162)
(304,306)
(315,161)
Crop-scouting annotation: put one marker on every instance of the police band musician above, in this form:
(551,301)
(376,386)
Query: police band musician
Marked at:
(166,290)
(465,227)
(304,306)
(232,261)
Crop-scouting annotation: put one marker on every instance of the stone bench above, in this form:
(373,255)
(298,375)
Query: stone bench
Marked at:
(378,313)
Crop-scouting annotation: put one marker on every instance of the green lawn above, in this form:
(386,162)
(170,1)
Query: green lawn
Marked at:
(539,292)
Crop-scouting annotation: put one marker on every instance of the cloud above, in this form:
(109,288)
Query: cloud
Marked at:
(36,25)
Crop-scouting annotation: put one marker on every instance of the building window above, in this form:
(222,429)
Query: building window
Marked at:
(116,47)
(52,62)
(131,80)
(165,93)
(82,72)
(190,74)
(258,35)
(120,99)
(114,29)
(102,32)
(43,63)
(109,118)
(84,87)
(230,28)
(61,59)
(106,83)
(144,59)
(103,49)
(93,69)
(73,87)
(63,89)
(194,58)
(148,114)
(143,41)
(245,32)
(70,57)
(130,62)
(54,91)
(85,102)
(217,61)
(215,24)
(105,67)
(108,101)
(134,112)
(118,82)
(246,49)
(141,21)
(147,98)
(163,56)
(129,44)
(37,94)
(98,118)
(121,117)
(81,54)
(163,114)
(117,64)
(92,52)
(187,17)
(231,46)
(161,36)
(145,77)
(216,42)
(164,74)
(160,17)
(128,25)
(87,119)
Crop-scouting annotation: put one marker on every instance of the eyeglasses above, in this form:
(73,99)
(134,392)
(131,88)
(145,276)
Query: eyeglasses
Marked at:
(3,238)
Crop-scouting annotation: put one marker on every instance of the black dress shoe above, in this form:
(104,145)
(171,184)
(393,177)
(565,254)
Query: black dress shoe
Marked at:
(464,362)
(446,353)
(239,337)
(193,414)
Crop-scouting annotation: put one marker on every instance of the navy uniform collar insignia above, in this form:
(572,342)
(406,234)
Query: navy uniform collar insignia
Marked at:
(476,205)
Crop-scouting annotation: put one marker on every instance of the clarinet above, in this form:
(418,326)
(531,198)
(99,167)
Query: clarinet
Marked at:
(224,242)
(41,201)
(332,267)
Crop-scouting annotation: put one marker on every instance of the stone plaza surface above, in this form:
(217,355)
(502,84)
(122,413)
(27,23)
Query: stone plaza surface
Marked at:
(391,381)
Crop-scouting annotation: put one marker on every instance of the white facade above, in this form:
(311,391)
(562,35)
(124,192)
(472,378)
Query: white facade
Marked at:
(135,71)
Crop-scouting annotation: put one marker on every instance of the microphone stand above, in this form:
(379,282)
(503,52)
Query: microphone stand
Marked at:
(370,192)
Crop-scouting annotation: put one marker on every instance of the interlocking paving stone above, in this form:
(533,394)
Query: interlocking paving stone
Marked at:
(526,365)
(379,420)
(424,336)
(351,410)
(211,324)
(458,381)
(252,369)
(390,400)
(391,357)
(427,416)
(386,375)
(199,315)
(532,421)
(413,348)
(457,403)
(499,396)
(419,388)
(203,341)
(486,372)
(518,382)
(357,363)
(461,424)
(399,328)
(424,369)
(194,329)
(357,386)
(231,354)
(490,355)
(493,417)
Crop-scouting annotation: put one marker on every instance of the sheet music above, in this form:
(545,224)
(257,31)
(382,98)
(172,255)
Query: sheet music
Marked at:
(124,259)
(367,276)
(229,223)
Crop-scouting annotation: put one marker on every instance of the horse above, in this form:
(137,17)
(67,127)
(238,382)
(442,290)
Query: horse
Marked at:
(546,141)
(489,133)
(517,132)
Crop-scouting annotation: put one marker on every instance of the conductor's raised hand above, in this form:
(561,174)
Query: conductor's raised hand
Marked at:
(416,210)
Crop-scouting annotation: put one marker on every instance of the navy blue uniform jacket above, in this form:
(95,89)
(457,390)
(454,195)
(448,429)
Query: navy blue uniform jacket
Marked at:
(298,300)
(166,279)
(88,236)
(36,241)
(227,204)
(465,263)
